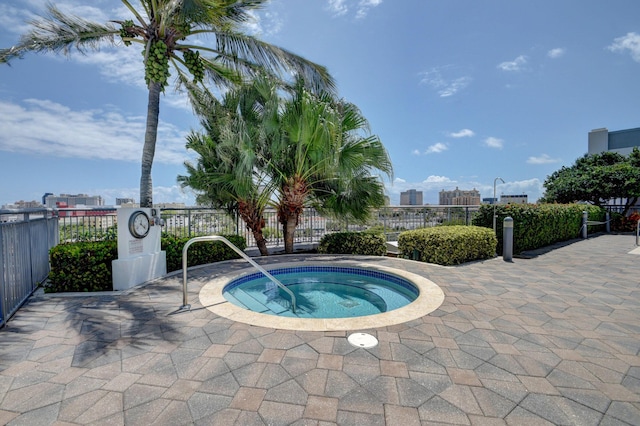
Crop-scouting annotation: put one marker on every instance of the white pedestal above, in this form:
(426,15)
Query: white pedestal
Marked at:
(133,271)
(139,259)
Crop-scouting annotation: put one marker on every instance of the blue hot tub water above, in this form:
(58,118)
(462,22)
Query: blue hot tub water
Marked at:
(322,292)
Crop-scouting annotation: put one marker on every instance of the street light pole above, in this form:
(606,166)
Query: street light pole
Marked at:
(495,201)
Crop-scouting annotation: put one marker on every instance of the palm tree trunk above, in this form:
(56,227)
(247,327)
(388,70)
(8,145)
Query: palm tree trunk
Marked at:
(253,219)
(294,192)
(261,242)
(289,230)
(149,149)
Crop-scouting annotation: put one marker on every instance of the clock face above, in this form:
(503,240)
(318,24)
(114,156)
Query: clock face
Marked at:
(139,224)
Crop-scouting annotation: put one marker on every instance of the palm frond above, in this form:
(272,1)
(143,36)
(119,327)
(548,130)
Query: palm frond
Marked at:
(58,32)
(242,50)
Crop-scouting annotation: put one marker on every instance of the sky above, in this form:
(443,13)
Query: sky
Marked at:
(460,92)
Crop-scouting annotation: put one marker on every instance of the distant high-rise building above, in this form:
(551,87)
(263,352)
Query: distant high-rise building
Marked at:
(23,205)
(514,199)
(459,197)
(68,200)
(620,141)
(123,201)
(411,198)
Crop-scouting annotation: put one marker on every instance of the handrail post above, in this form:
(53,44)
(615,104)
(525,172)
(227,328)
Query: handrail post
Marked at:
(638,233)
(186,305)
(507,239)
(3,302)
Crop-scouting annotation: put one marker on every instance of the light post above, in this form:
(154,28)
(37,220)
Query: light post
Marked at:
(495,200)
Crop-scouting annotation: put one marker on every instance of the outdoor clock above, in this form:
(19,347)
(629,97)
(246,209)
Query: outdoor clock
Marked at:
(139,224)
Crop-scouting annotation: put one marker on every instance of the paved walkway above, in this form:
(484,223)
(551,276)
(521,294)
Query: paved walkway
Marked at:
(553,339)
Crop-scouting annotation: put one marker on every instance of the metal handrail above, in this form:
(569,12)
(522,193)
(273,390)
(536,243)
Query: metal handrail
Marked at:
(185,305)
(638,233)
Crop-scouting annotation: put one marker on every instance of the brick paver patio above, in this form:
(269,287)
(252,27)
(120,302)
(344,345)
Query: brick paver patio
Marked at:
(552,339)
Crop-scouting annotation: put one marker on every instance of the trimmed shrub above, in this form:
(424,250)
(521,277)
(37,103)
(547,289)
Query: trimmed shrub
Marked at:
(539,225)
(360,243)
(86,266)
(448,245)
(200,253)
(620,223)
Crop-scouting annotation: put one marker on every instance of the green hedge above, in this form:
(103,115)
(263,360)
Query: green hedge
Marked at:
(539,225)
(86,266)
(360,243)
(448,245)
(200,253)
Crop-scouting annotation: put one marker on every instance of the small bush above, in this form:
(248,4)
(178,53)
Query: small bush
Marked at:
(621,223)
(360,243)
(539,225)
(84,266)
(200,253)
(448,245)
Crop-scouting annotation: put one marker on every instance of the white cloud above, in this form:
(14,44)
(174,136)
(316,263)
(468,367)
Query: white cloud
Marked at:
(444,86)
(364,6)
(464,133)
(342,7)
(15,19)
(415,152)
(436,148)
(630,42)
(532,187)
(257,26)
(161,194)
(437,179)
(338,7)
(515,65)
(117,64)
(124,65)
(542,159)
(492,142)
(399,180)
(38,126)
(556,53)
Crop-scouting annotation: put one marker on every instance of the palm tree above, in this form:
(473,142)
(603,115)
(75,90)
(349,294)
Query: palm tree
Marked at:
(227,173)
(324,157)
(301,149)
(163,29)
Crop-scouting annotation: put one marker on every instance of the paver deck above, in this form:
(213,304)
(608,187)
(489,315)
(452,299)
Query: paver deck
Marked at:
(553,339)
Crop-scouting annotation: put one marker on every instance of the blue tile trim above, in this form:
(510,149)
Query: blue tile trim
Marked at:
(402,282)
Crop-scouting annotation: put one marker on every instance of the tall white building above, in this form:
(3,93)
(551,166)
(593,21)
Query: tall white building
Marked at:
(68,200)
(620,141)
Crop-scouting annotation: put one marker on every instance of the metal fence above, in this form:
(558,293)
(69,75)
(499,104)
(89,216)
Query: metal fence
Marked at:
(94,224)
(26,236)
(87,224)
(391,220)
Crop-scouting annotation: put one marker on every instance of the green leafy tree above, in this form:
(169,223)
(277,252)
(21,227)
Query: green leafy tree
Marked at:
(228,170)
(165,31)
(290,147)
(324,155)
(596,178)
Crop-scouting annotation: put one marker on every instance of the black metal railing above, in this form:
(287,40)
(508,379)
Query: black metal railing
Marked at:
(26,236)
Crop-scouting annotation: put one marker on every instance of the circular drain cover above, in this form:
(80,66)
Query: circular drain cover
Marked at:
(362,340)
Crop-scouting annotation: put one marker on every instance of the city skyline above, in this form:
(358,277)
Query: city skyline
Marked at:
(460,94)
